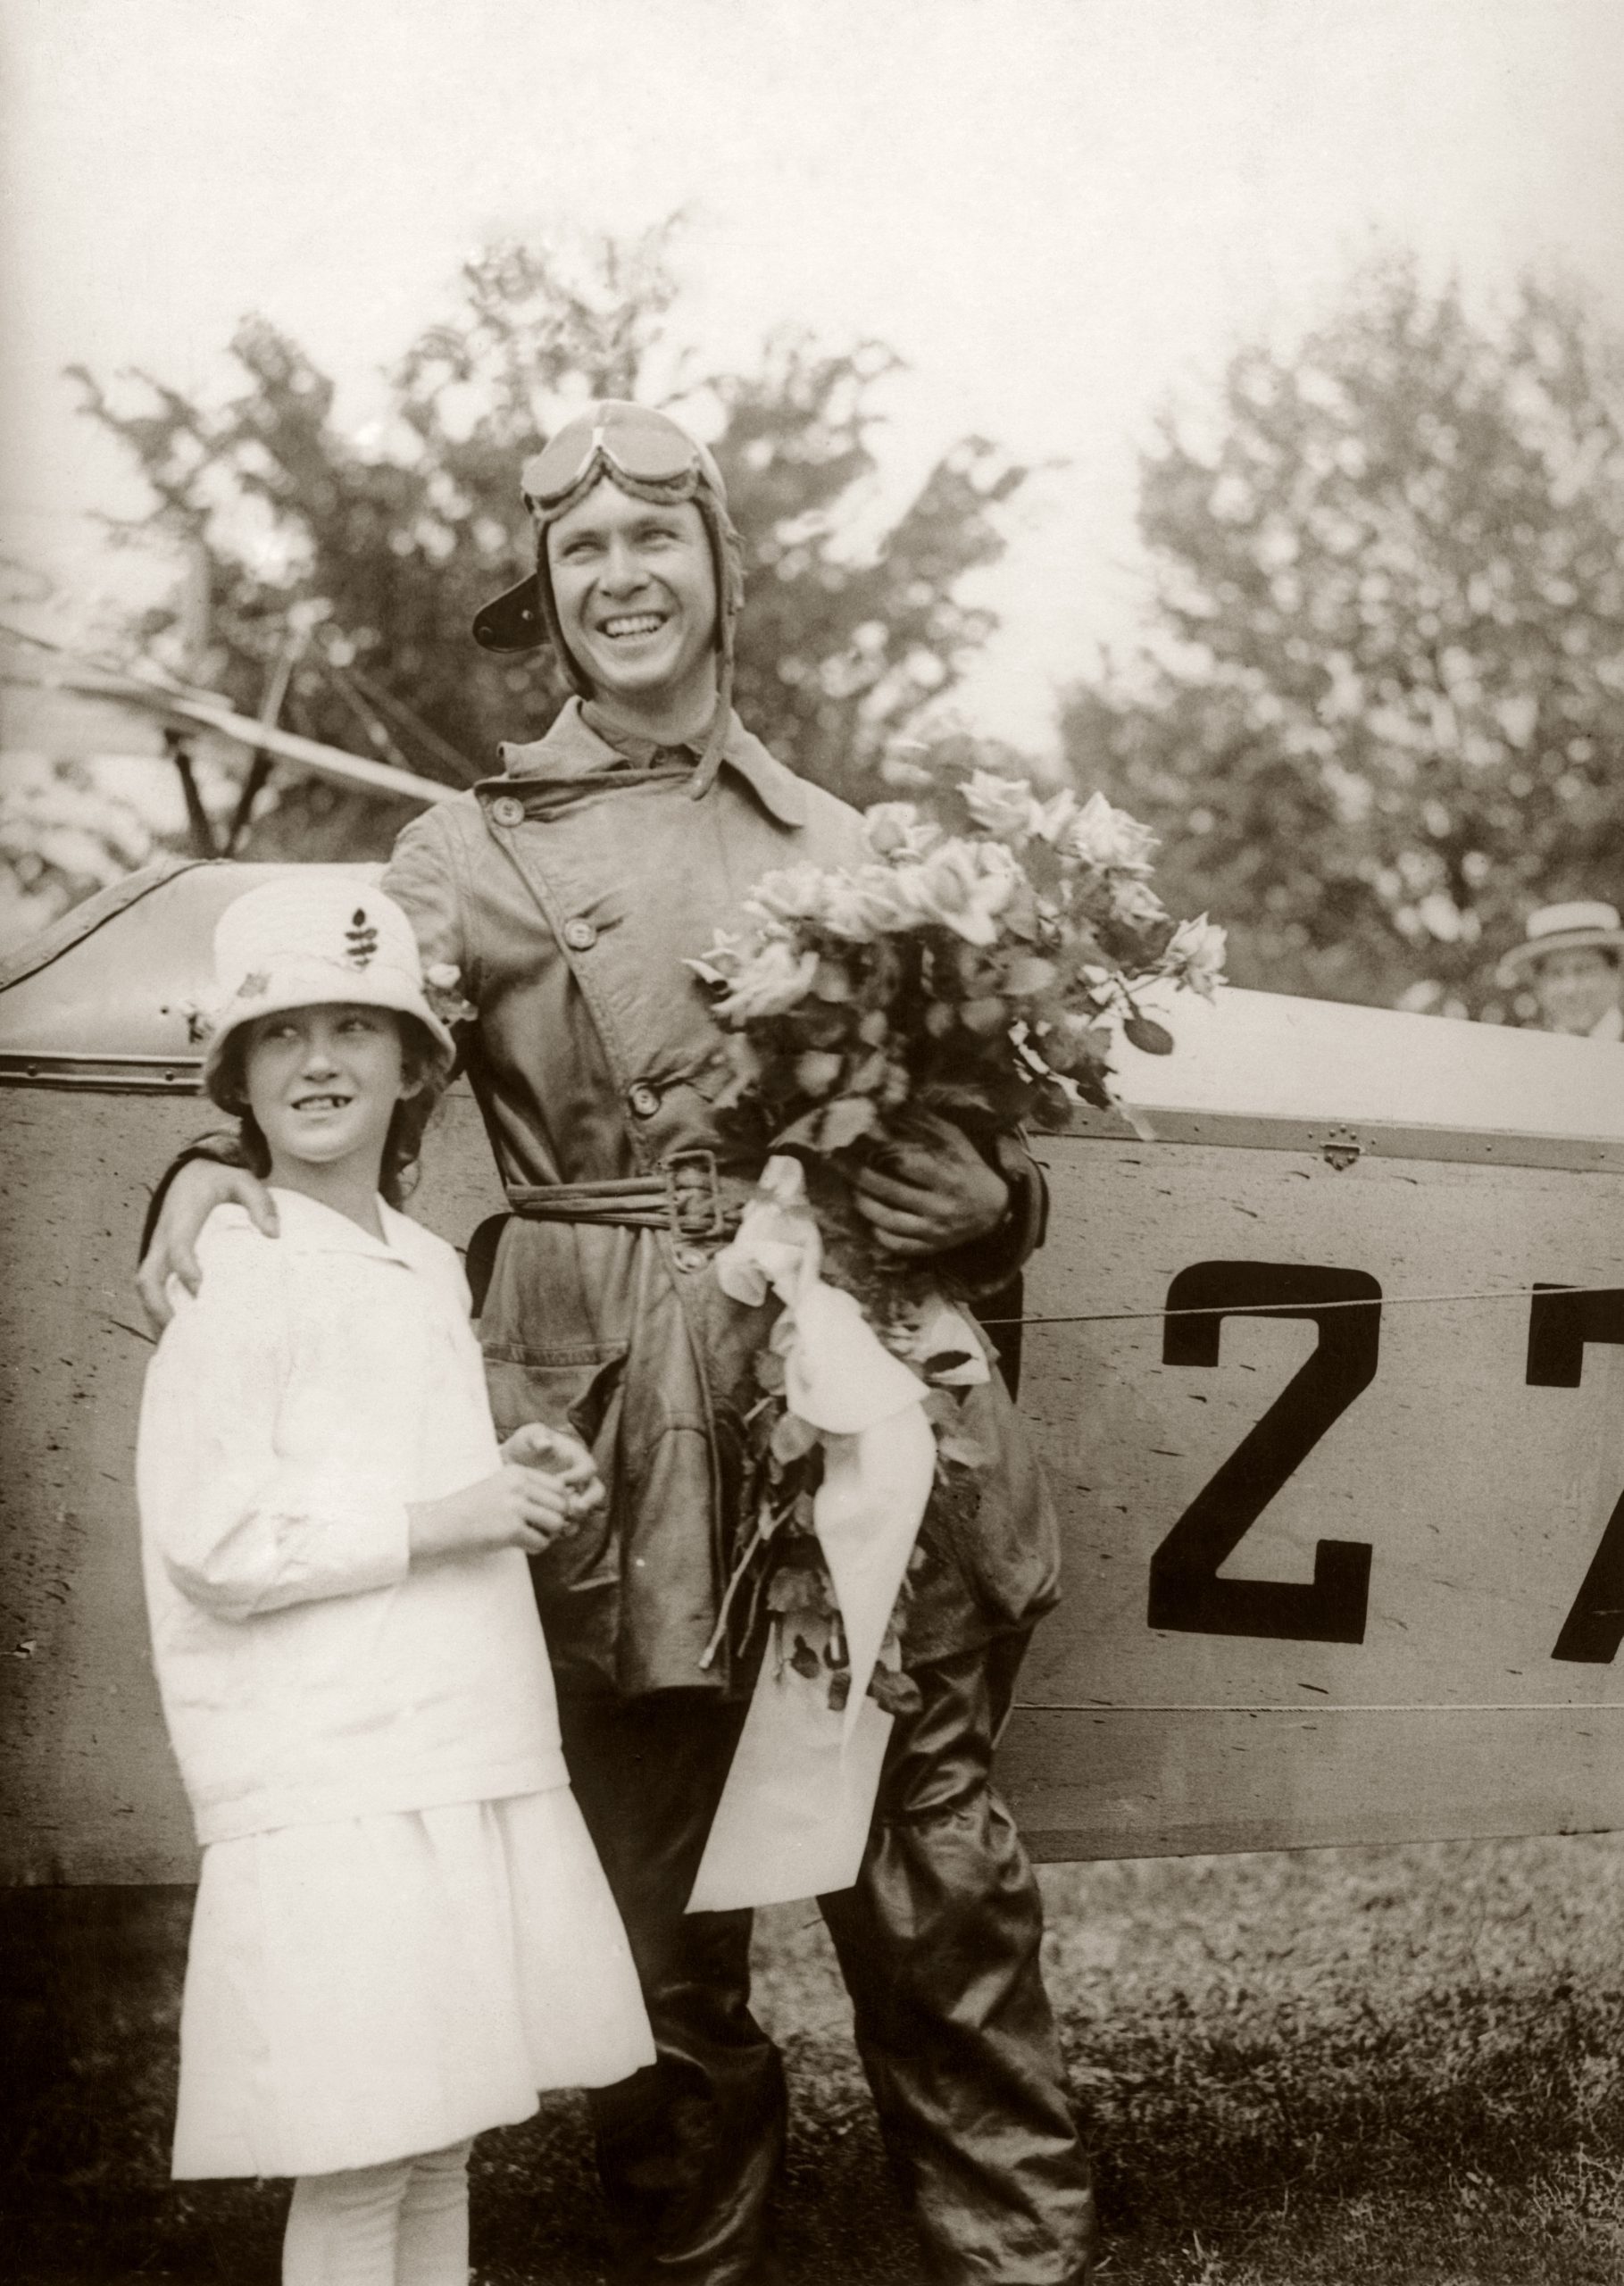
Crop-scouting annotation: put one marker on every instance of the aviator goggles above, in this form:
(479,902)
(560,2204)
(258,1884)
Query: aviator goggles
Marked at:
(630,441)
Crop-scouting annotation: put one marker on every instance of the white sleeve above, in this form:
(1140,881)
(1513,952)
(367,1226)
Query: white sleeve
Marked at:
(240,1528)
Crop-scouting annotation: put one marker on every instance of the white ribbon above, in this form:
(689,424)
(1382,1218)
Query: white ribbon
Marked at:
(793,1816)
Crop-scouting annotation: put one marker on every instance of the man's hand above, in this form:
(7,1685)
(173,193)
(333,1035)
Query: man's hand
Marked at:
(561,1456)
(517,1507)
(932,1193)
(201,1186)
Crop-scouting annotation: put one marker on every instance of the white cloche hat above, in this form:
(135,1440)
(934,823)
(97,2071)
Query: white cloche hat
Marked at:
(303,942)
(1585,924)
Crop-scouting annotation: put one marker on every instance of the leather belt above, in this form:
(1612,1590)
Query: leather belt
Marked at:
(688,1197)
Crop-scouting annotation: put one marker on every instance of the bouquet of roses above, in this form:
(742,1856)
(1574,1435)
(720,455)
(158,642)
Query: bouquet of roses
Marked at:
(973,966)
(976,965)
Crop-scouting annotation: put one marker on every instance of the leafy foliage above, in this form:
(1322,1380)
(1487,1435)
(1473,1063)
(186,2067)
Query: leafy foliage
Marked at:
(367,555)
(840,651)
(65,831)
(1386,710)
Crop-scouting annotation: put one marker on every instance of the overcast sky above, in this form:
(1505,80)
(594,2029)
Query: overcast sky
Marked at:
(1058,211)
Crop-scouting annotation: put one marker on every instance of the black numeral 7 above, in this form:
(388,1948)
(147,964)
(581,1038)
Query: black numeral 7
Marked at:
(1561,1322)
(1185,1590)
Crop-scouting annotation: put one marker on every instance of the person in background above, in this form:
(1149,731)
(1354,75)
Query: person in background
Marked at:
(401,1932)
(1569,959)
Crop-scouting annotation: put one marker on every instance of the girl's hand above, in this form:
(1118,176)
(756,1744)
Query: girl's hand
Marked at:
(517,1507)
(562,1457)
(932,1193)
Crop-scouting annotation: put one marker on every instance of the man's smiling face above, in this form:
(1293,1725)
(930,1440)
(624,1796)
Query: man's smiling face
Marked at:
(635,597)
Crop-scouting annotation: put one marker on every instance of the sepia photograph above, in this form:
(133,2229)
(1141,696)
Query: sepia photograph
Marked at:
(812,1142)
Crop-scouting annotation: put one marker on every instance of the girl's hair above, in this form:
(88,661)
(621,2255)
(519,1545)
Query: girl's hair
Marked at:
(421,1061)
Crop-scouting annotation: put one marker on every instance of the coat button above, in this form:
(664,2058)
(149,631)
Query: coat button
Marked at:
(580,936)
(507,809)
(690,1257)
(643,1099)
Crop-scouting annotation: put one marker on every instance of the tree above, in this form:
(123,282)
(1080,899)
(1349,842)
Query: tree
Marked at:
(356,566)
(1385,711)
(65,832)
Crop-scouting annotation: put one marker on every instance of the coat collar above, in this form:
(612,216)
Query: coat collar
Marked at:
(308,1227)
(574,751)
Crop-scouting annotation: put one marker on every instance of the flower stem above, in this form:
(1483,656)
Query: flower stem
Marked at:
(759,1539)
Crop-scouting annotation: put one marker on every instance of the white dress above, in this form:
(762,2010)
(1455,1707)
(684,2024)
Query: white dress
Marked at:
(402,1930)
(392,1984)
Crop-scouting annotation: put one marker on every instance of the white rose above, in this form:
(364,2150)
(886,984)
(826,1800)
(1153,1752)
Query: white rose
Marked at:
(1135,902)
(865,904)
(896,830)
(1049,820)
(997,862)
(723,959)
(1000,804)
(1107,837)
(797,893)
(775,979)
(965,885)
(1196,956)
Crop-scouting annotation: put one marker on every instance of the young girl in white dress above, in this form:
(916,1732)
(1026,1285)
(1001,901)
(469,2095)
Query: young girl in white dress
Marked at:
(402,1931)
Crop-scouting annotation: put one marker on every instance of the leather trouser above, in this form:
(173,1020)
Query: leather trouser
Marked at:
(939,1943)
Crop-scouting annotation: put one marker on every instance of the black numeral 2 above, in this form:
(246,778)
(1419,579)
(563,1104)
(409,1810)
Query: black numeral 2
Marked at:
(1560,1323)
(1185,1590)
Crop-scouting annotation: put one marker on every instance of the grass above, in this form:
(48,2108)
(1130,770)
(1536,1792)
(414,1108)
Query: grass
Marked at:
(1393,2067)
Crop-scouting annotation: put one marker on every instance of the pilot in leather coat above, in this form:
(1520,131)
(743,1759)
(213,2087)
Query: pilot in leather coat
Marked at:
(568,893)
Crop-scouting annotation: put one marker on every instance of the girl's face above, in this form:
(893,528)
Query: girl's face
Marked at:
(323,1083)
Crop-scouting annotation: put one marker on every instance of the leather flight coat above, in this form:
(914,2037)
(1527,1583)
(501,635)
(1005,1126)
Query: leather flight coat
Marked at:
(568,893)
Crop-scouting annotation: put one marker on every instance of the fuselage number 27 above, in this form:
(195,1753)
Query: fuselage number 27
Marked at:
(1345,1306)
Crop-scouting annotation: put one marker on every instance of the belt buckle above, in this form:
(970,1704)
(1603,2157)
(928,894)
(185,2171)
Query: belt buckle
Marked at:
(694,1212)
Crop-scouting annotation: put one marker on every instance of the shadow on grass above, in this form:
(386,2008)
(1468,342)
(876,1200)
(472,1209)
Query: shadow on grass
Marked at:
(1394,2065)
